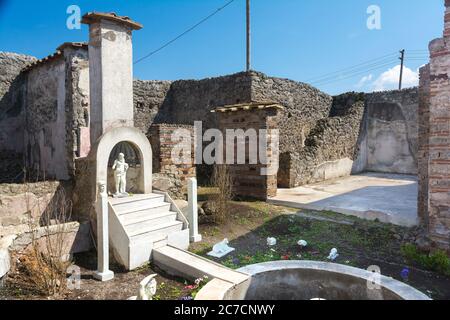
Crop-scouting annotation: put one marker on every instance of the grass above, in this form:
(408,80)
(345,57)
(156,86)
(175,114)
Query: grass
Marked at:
(437,261)
(360,243)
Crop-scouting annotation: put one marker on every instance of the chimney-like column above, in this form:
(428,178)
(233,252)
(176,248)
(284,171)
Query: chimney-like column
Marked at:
(110,71)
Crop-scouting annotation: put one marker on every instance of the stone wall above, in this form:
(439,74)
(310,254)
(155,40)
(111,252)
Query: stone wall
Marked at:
(363,132)
(187,101)
(77,104)
(330,148)
(12,100)
(192,100)
(303,105)
(21,202)
(45,120)
(389,136)
(149,98)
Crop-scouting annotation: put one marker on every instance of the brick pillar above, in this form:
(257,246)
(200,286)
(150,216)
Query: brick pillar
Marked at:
(161,139)
(249,179)
(439,138)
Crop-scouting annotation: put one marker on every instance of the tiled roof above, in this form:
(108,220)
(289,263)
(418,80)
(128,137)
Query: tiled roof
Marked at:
(92,17)
(55,55)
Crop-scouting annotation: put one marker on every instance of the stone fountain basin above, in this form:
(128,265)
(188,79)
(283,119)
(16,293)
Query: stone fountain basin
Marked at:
(306,280)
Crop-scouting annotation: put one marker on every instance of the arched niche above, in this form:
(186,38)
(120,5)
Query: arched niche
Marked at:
(141,145)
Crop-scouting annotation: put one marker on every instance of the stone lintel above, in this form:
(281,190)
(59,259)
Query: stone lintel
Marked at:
(94,17)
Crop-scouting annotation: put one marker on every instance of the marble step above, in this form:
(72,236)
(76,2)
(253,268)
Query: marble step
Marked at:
(145,232)
(145,213)
(139,205)
(157,219)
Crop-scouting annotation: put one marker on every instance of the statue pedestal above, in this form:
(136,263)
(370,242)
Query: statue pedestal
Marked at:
(103,276)
(121,195)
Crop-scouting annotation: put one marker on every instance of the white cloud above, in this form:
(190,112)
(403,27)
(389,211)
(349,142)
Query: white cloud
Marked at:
(389,79)
(364,80)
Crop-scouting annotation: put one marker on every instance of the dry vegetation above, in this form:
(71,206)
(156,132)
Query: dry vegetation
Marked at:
(42,267)
(222,181)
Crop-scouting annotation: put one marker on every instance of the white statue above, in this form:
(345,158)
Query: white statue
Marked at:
(221,249)
(120,168)
(147,288)
(302,243)
(333,254)
(271,242)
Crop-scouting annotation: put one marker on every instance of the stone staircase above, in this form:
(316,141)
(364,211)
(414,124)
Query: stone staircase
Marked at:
(141,223)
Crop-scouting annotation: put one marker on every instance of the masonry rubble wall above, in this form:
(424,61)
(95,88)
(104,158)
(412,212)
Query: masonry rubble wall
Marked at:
(12,100)
(363,132)
(310,150)
(329,148)
(12,115)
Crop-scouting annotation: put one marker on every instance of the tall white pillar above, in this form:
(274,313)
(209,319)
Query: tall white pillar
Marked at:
(103,273)
(193,211)
(110,72)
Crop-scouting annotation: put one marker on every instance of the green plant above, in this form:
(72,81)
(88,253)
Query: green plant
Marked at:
(196,287)
(435,261)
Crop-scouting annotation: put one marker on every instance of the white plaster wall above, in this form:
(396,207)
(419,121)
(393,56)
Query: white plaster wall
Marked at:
(111,64)
(46,132)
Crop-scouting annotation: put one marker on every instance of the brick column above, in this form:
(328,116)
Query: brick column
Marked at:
(160,136)
(439,138)
(249,179)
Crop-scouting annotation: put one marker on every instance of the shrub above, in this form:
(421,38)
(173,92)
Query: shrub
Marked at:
(436,261)
(221,200)
(42,268)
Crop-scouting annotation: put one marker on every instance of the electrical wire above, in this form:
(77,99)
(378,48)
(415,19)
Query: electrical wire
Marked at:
(362,64)
(184,33)
(392,64)
(357,71)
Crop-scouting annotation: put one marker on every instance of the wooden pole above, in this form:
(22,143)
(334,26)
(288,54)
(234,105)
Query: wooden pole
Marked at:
(402,58)
(248,37)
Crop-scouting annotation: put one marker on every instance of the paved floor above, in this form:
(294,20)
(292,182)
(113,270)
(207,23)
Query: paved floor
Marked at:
(387,197)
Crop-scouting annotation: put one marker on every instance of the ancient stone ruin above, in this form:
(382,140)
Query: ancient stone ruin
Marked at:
(67,118)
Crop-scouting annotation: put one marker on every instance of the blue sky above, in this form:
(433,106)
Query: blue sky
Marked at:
(297,39)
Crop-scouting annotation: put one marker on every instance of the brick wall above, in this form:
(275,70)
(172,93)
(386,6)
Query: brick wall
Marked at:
(438,153)
(160,136)
(423,154)
(248,181)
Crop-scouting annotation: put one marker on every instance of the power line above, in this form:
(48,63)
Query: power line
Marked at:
(357,70)
(393,54)
(354,75)
(367,66)
(185,32)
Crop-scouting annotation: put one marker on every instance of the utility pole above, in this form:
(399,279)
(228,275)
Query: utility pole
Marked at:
(402,58)
(248,37)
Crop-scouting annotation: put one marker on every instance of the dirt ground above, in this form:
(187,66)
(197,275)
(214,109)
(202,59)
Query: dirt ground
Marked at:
(123,286)
(360,243)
